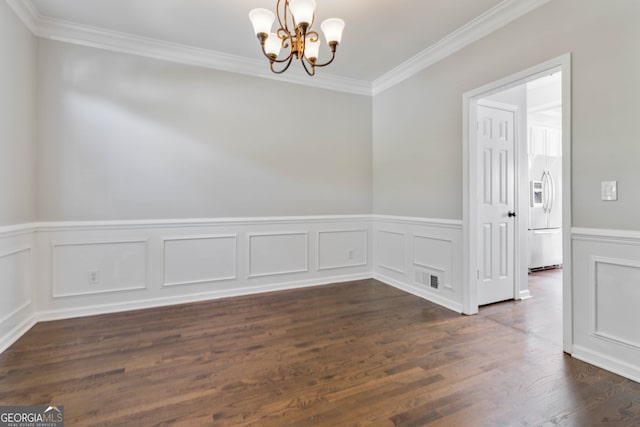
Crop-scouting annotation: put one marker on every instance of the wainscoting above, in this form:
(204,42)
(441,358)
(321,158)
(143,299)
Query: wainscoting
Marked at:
(420,256)
(61,270)
(606,298)
(114,266)
(17,312)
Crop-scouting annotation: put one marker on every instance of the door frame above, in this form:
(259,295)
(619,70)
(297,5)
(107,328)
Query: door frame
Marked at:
(470,190)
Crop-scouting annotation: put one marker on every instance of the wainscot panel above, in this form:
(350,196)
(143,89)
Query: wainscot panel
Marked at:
(197,259)
(339,249)
(606,297)
(420,256)
(17,314)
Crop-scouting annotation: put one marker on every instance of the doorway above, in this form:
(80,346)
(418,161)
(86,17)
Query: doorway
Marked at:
(511,227)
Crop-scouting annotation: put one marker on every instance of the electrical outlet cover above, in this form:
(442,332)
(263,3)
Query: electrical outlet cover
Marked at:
(609,190)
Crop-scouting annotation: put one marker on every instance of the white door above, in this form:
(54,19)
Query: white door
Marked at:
(496,204)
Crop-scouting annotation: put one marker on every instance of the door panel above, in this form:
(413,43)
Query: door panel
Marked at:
(496,139)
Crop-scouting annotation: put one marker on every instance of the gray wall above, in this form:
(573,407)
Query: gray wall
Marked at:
(126,137)
(17,63)
(418,123)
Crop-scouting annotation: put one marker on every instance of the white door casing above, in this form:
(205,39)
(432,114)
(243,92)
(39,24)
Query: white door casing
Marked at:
(471,190)
(496,202)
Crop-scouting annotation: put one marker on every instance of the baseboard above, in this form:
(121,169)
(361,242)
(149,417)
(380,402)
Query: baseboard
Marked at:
(524,295)
(424,294)
(69,313)
(606,362)
(16,333)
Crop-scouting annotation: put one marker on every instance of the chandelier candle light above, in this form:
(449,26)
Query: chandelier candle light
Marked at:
(295,34)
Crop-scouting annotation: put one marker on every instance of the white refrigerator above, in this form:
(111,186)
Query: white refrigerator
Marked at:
(545,198)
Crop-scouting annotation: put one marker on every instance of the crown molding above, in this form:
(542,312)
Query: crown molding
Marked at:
(55,29)
(85,35)
(490,21)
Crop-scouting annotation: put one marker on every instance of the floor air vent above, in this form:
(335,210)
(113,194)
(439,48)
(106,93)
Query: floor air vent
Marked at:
(435,283)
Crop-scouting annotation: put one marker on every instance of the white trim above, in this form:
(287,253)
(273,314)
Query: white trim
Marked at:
(526,294)
(593,290)
(16,230)
(191,222)
(233,236)
(432,237)
(27,274)
(431,268)
(567,218)
(102,38)
(337,267)
(55,226)
(433,297)
(19,330)
(405,258)
(251,275)
(436,222)
(545,106)
(470,255)
(16,333)
(16,311)
(490,21)
(16,251)
(605,236)
(606,362)
(84,35)
(137,287)
(447,282)
(69,313)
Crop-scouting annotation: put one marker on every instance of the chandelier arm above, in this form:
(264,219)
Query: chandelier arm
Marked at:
(284,69)
(279,61)
(333,56)
(313,36)
(286,3)
(288,58)
(304,64)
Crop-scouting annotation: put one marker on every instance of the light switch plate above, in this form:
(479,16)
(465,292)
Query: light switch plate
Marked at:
(609,190)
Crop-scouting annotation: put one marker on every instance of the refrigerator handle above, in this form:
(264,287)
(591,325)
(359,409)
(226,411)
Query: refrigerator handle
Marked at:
(545,191)
(552,183)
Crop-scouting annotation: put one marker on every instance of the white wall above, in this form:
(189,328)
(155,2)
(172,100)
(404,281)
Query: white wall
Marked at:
(126,137)
(17,207)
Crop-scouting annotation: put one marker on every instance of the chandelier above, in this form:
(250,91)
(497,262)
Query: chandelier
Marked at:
(295,17)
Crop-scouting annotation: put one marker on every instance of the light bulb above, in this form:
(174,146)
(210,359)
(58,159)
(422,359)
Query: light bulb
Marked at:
(302,11)
(311,48)
(332,29)
(272,45)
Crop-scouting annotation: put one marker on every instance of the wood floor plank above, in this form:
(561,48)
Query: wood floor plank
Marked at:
(352,354)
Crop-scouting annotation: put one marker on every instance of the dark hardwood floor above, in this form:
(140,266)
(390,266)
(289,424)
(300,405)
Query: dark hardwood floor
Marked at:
(353,354)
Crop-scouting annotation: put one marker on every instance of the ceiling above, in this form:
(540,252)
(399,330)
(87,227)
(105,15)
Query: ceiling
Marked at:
(379,35)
